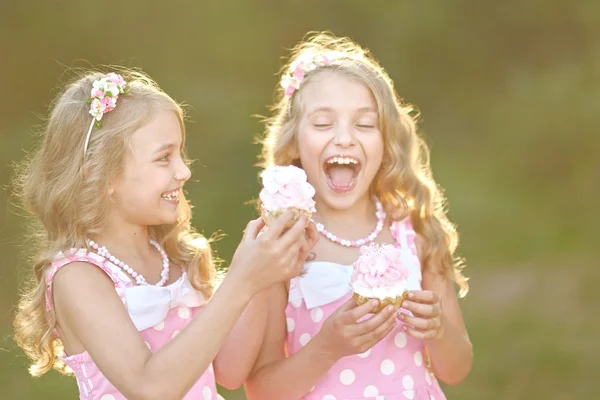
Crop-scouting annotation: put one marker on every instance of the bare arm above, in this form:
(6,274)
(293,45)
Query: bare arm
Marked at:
(276,377)
(238,353)
(438,320)
(87,304)
(90,311)
(451,352)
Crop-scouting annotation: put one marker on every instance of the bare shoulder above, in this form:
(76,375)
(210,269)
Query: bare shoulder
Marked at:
(78,277)
(433,278)
(79,287)
(420,245)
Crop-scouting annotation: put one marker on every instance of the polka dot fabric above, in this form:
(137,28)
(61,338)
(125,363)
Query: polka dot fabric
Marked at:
(394,369)
(92,384)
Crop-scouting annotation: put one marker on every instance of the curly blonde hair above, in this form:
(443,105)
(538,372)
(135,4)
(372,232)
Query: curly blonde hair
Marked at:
(67,196)
(404,183)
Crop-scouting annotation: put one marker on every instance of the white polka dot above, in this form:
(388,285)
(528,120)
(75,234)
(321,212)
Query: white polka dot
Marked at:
(304,338)
(160,326)
(312,389)
(148,345)
(431,397)
(183,312)
(107,397)
(291,324)
(371,391)
(428,377)
(316,314)
(329,397)
(365,354)
(409,394)
(347,377)
(219,397)
(400,340)
(408,382)
(387,367)
(296,303)
(174,334)
(418,358)
(206,392)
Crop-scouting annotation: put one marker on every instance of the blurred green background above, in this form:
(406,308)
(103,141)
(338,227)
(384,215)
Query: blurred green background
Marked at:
(510,99)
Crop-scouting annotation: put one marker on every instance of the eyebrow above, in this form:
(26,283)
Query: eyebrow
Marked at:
(166,146)
(329,109)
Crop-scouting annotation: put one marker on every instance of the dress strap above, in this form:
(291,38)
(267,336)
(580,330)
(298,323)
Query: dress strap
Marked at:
(119,278)
(404,234)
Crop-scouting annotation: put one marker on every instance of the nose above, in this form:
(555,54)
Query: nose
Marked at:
(344,136)
(182,173)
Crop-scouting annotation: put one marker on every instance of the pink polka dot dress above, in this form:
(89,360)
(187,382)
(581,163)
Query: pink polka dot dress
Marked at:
(159,313)
(394,369)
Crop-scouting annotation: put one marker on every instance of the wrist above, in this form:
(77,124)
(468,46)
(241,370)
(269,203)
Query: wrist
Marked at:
(236,289)
(441,332)
(322,350)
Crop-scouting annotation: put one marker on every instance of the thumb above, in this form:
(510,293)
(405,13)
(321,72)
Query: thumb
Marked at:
(347,306)
(253,229)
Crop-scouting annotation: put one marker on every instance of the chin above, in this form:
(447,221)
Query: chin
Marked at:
(165,219)
(342,201)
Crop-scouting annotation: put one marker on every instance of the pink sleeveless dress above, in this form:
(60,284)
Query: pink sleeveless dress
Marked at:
(395,368)
(159,314)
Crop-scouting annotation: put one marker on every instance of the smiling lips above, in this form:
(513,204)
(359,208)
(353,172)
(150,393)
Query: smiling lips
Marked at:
(341,172)
(172,196)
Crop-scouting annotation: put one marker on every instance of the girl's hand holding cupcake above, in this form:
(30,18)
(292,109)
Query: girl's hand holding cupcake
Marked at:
(276,255)
(427,321)
(346,332)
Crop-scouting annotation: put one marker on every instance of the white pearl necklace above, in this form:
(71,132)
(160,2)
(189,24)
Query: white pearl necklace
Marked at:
(139,278)
(360,242)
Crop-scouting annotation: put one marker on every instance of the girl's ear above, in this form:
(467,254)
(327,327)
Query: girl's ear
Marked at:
(112,186)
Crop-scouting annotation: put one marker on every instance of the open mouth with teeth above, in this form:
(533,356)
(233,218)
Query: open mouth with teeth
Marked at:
(172,196)
(341,173)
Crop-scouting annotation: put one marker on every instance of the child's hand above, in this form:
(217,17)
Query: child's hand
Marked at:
(341,334)
(311,238)
(426,322)
(274,256)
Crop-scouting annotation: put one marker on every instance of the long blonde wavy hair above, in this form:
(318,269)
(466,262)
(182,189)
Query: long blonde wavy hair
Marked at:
(404,183)
(67,196)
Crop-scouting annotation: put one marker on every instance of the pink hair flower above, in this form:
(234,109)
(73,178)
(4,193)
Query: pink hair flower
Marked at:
(293,77)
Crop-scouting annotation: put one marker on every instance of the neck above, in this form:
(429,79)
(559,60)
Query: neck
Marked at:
(124,238)
(360,213)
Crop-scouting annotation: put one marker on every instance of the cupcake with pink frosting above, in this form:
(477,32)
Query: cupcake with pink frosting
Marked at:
(285,188)
(380,273)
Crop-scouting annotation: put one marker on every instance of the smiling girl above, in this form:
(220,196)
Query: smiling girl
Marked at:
(338,117)
(120,289)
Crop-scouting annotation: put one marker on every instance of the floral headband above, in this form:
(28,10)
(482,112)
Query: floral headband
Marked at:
(292,79)
(105,92)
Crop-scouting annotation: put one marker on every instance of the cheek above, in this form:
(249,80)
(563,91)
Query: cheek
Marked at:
(374,148)
(309,147)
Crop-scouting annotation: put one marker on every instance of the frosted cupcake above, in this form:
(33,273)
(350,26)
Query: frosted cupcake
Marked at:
(380,273)
(285,188)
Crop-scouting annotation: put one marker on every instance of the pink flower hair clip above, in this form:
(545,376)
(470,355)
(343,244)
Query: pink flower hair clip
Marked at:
(104,96)
(292,79)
